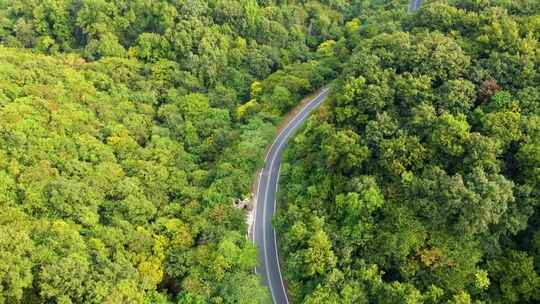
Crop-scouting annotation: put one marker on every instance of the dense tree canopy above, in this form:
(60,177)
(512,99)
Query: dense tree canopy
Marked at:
(218,42)
(102,203)
(129,129)
(418,182)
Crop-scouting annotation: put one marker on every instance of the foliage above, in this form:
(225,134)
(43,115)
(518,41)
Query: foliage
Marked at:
(419,178)
(128,130)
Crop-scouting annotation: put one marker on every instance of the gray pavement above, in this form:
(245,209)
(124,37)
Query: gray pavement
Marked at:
(264,234)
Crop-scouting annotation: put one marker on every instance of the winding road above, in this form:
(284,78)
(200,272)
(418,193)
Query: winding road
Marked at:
(263,233)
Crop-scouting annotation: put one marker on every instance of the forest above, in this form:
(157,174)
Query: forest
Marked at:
(419,179)
(128,130)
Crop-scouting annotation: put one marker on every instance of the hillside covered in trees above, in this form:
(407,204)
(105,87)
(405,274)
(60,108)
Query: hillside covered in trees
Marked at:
(419,180)
(128,130)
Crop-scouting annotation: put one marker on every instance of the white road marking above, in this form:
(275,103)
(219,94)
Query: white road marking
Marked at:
(306,111)
(292,125)
(275,242)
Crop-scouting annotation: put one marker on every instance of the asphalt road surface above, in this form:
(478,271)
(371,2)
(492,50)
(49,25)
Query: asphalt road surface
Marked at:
(264,234)
(415,4)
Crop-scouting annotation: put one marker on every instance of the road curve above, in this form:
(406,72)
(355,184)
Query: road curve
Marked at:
(264,234)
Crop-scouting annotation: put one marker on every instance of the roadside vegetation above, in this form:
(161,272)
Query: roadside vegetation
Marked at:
(128,130)
(419,179)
